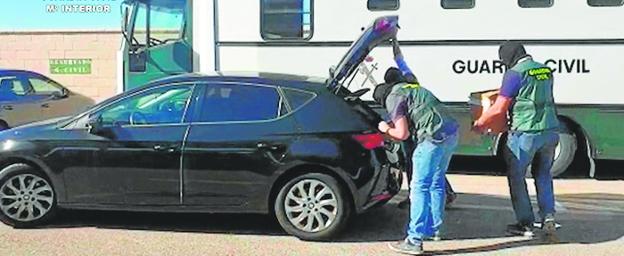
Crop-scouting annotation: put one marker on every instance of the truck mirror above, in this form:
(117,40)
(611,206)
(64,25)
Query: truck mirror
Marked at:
(138,61)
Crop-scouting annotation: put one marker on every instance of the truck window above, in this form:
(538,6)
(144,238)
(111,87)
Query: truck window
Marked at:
(383,5)
(602,3)
(535,3)
(458,4)
(156,25)
(286,19)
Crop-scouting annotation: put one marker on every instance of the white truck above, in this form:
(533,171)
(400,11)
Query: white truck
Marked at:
(451,45)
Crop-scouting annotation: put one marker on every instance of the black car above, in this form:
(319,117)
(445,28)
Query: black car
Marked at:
(304,149)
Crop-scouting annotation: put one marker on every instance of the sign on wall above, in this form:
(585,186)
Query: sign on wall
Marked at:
(70,66)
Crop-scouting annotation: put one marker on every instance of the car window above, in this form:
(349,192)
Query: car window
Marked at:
(41,86)
(234,103)
(297,98)
(12,85)
(165,105)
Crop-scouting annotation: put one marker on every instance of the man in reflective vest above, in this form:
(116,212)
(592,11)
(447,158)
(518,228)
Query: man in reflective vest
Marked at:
(527,93)
(416,113)
(392,77)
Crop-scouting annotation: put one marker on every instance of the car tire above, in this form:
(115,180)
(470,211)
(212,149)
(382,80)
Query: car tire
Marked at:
(3,126)
(27,197)
(328,209)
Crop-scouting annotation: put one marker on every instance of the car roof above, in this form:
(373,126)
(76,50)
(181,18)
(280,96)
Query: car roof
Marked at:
(278,79)
(19,71)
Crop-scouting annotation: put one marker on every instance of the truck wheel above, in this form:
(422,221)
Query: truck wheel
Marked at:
(27,198)
(566,150)
(312,207)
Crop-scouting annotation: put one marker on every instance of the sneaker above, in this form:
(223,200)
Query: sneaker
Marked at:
(436,237)
(549,225)
(405,204)
(540,225)
(520,230)
(406,247)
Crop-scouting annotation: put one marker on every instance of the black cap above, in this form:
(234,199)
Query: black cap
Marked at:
(393,76)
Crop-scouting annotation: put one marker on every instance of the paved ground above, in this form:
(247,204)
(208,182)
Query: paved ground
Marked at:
(591,211)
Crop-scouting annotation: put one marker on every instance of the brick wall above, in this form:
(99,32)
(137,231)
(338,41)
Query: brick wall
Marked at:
(32,51)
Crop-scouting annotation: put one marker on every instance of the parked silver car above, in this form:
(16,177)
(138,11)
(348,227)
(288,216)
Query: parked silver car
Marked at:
(27,97)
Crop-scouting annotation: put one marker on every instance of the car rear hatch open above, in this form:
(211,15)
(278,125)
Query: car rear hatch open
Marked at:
(382,30)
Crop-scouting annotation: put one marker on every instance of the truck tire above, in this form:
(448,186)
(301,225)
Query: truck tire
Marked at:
(566,150)
(564,154)
(313,207)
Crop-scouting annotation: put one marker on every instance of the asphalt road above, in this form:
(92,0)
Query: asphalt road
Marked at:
(591,212)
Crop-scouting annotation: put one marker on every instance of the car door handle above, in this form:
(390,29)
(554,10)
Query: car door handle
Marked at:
(45,105)
(7,107)
(269,146)
(168,149)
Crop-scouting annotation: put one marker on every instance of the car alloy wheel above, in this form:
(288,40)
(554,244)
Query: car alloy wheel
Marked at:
(311,205)
(26,197)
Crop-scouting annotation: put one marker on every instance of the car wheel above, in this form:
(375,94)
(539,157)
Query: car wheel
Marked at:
(312,207)
(27,198)
(3,126)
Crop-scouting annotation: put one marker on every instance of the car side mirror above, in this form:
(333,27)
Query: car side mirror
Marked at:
(59,94)
(332,71)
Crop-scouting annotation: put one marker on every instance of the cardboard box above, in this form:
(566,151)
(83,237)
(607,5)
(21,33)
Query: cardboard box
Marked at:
(481,102)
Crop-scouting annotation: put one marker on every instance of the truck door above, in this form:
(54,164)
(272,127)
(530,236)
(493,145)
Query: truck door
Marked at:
(158,35)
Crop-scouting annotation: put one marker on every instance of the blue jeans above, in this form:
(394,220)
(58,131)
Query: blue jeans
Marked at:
(522,150)
(430,161)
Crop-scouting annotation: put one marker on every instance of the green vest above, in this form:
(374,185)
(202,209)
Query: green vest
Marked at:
(427,114)
(534,107)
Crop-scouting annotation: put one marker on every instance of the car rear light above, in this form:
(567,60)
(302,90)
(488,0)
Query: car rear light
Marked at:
(370,141)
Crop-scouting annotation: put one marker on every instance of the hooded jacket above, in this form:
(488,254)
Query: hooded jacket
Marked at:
(511,52)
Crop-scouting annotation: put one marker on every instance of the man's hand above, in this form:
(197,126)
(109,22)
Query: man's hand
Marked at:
(384,127)
(478,127)
(498,110)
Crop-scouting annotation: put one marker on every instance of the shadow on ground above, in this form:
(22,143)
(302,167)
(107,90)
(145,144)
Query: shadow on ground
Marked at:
(587,219)
(474,165)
